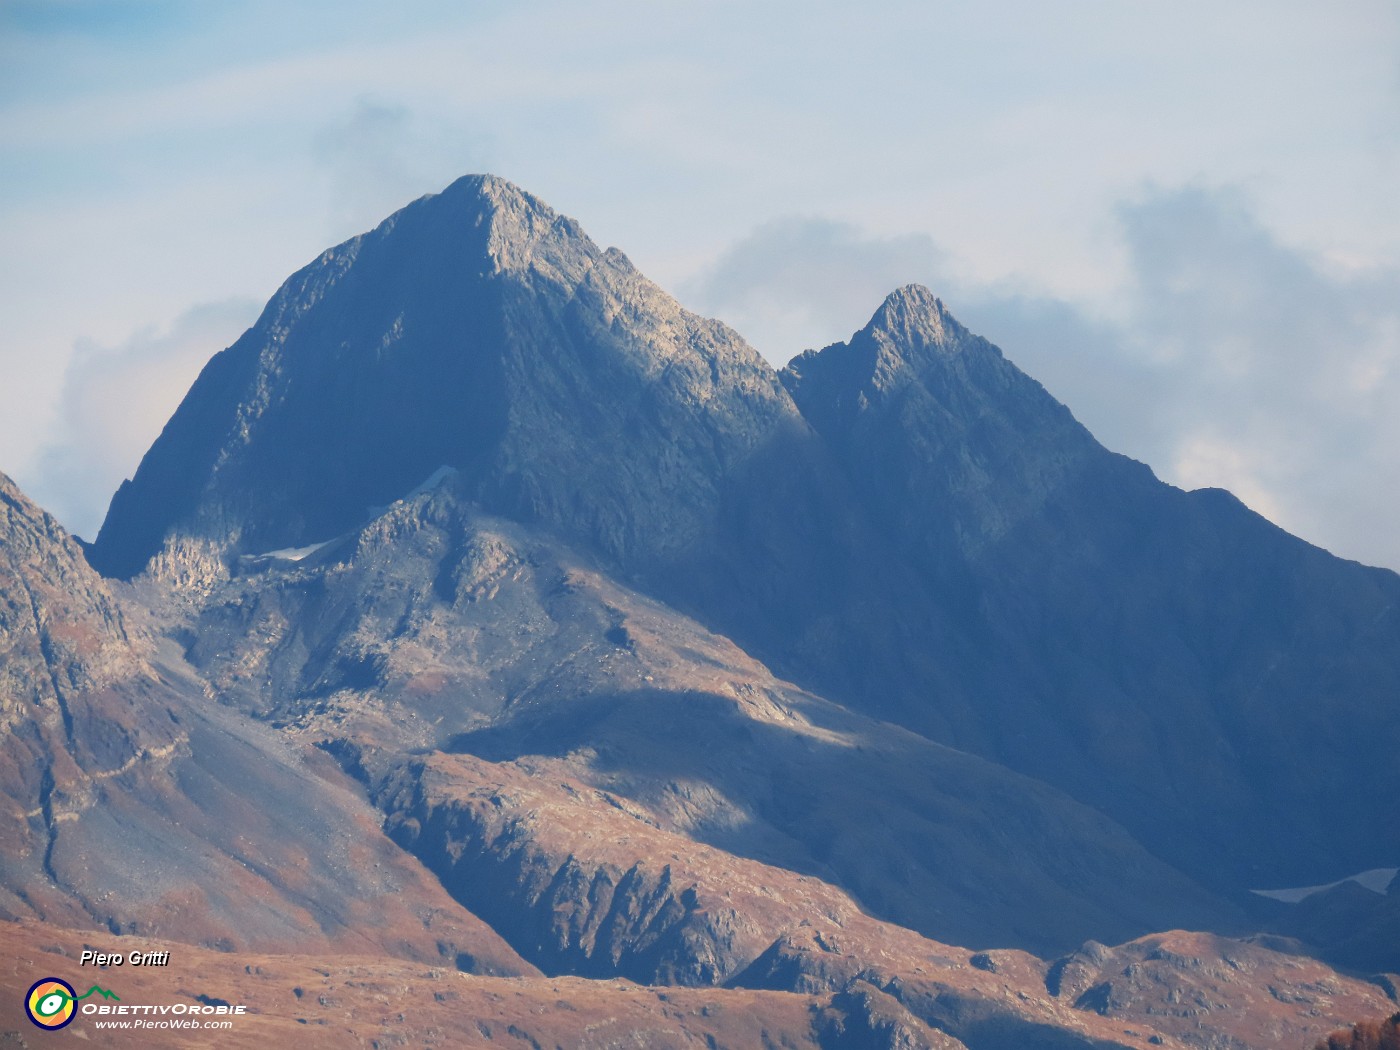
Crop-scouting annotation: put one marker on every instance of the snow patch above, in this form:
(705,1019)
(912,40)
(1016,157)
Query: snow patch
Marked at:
(294,553)
(1377,880)
(434,479)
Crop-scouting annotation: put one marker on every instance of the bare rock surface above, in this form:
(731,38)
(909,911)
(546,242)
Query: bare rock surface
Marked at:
(133,803)
(438,627)
(1211,991)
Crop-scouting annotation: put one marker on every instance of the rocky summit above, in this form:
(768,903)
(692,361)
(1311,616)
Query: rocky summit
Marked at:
(485,614)
(480,330)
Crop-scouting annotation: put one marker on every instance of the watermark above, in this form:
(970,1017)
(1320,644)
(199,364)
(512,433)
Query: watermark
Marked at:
(117,958)
(164,1009)
(177,1024)
(51,1002)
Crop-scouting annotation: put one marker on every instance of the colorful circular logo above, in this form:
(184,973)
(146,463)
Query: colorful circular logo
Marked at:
(50,1003)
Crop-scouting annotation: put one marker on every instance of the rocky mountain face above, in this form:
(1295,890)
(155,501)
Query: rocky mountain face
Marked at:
(438,627)
(1151,651)
(537,624)
(137,804)
(476,329)
(906,524)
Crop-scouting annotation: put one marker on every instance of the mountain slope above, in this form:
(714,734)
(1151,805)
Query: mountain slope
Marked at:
(1170,657)
(477,329)
(905,525)
(437,627)
(134,803)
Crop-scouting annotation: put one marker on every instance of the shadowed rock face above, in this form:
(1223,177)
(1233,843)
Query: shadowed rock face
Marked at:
(1348,926)
(952,420)
(1170,657)
(438,627)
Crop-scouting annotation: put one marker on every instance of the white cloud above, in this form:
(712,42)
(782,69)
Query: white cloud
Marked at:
(1284,371)
(800,282)
(116,400)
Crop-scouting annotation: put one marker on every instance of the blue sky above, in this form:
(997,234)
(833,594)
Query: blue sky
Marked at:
(1181,217)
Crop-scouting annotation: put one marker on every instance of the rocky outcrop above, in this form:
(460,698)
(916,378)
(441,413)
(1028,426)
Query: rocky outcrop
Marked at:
(133,803)
(1210,991)
(865,1018)
(584,883)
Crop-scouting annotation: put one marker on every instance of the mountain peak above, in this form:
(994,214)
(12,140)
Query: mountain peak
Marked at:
(910,331)
(521,231)
(497,194)
(913,317)
(476,328)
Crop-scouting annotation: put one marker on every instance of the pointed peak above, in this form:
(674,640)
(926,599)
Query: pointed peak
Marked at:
(498,192)
(512,228)
(913,315)
(912,296)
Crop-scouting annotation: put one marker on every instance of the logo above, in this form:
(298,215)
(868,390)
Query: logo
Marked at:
(51,1003)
